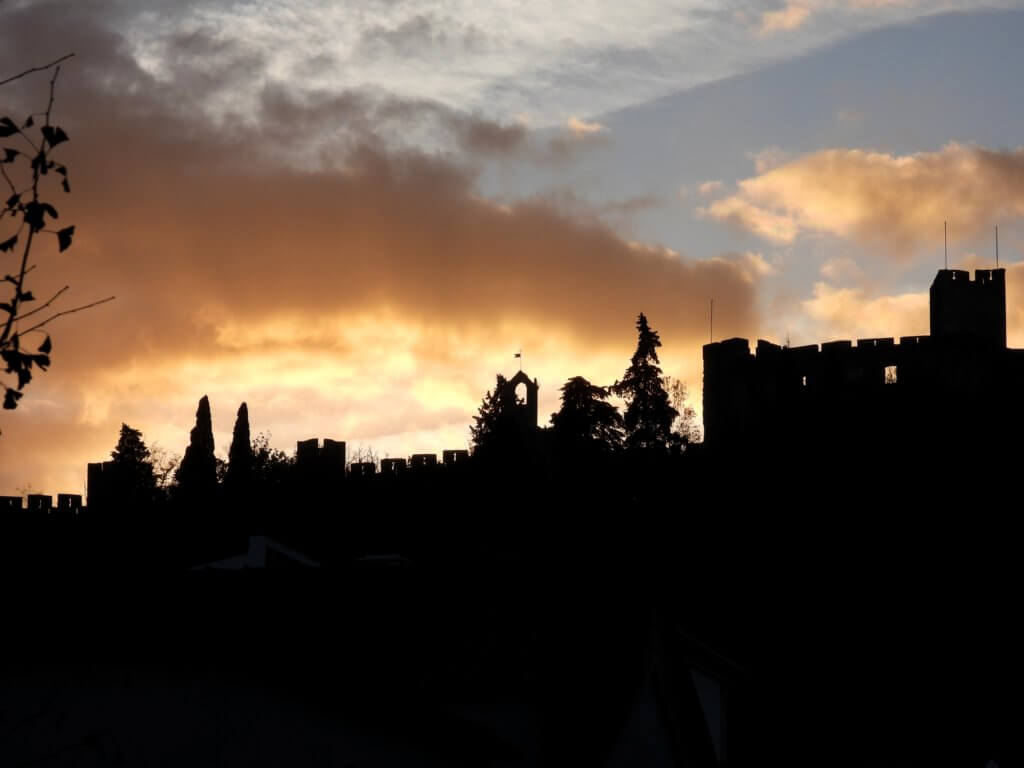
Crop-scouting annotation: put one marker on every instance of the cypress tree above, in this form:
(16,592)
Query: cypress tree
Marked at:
(197,473)
(240,457)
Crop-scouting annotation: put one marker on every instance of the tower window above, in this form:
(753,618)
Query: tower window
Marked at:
(890,374)
(803,381)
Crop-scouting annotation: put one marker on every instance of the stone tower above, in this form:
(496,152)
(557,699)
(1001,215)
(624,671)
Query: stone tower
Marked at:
(525,410)
(969,311)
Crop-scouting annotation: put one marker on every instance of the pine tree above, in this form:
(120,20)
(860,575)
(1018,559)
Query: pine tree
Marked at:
(197,473)
(491,419)
(240,456)
(133,468)
(586,421)
(649,414)
(131,450)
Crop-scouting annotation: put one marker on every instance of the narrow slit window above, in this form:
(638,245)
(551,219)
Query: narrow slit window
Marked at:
(891,376)
(803,381)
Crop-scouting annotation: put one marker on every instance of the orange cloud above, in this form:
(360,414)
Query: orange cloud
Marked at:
(795,13)
(851,313)
(580,128)
(790,16)
(896,202)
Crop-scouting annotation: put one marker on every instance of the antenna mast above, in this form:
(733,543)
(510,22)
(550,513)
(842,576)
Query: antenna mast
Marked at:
(945,245)
(997,246)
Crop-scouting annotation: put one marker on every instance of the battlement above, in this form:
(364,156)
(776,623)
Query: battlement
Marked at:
(733,352)
(41,505)
(969,311)
(310,455)
(776,387)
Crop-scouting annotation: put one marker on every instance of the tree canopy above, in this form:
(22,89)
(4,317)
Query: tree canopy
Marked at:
(133,466)
(586,420)
(649,414)
(492,419)
(685,427)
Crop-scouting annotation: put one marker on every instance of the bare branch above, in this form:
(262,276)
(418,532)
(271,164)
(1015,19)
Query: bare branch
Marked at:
(53,85)
(37,326)
(37,69)
(41,307)
(3,172)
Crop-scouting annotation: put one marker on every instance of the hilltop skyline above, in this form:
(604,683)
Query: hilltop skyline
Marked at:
(353,220)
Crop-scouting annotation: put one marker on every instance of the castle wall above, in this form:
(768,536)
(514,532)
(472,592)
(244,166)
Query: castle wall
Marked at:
(842,388)
(876,386)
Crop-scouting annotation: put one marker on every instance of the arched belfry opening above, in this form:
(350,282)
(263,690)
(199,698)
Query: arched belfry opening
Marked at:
(522,391)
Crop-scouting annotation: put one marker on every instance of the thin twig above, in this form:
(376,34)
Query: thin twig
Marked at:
(29,269)
(53,85)
(41,307)
(3,172)
(65,57)
(37,326)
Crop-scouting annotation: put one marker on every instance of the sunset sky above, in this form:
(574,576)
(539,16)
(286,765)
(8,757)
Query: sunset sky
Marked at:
(352,215)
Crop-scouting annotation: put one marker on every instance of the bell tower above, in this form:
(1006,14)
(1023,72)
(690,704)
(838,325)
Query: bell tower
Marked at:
(525,409)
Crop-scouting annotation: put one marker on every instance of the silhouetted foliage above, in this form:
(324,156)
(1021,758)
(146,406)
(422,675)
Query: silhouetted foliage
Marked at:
(587,421)
(685,426)
(494,425)
(197,473)
(269,465)
(363,454)
(131,449)
(133,467)
(649,414)
(165,464)
(22,169)
(239,469)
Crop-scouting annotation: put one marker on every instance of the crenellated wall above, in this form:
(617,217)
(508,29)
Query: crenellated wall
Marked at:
(842,387)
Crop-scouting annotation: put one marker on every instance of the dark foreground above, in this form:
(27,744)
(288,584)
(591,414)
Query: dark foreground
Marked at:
(681,615)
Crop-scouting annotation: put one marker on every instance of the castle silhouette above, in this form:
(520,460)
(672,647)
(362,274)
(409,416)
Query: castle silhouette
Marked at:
(639,612)
(878,390)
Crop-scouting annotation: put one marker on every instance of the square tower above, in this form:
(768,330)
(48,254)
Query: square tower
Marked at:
(969,311)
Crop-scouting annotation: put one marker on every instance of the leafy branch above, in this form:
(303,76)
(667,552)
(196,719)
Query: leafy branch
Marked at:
(34,158)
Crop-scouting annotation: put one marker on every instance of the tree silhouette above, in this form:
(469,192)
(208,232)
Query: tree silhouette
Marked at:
(649,414)
(28,214)
(197,474)
(587,421)
(270,467)
(493,422)
(133,468)
(685,426)
(240,456)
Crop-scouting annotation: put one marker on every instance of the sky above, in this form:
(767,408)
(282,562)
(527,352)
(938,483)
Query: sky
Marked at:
(351,216)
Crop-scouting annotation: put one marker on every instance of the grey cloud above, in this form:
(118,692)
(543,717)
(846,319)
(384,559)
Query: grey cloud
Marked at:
(422,36)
